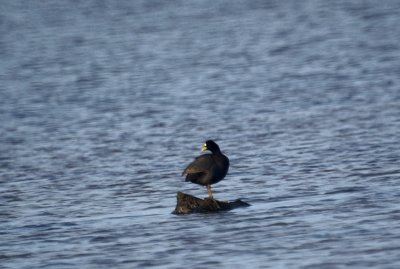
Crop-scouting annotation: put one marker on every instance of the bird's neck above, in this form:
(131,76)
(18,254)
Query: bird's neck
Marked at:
(217,152)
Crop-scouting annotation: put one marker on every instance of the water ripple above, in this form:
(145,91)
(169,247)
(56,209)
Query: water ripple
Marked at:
(103,104)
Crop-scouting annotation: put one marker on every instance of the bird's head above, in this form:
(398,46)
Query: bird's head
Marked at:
(211,146)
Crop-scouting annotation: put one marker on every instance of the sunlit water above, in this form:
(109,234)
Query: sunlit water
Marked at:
(103,103)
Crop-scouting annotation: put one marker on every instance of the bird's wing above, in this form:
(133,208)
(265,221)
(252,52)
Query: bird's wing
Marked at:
(202,163)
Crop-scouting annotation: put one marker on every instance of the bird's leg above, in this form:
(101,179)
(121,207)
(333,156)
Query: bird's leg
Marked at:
(209,191)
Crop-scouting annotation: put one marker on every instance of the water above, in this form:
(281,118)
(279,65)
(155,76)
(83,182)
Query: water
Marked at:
(102,104)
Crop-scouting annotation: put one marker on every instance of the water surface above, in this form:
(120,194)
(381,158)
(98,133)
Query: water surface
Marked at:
(102,104)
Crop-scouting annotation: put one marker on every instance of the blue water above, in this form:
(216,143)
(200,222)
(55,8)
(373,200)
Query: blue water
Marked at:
(103,103)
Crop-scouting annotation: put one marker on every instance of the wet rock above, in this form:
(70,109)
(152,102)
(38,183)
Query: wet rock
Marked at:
(187,204)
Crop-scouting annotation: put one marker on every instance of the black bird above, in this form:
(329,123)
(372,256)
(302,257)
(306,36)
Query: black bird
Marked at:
(208,168)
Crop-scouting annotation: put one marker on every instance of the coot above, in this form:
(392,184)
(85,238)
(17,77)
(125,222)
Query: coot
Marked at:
(208,168)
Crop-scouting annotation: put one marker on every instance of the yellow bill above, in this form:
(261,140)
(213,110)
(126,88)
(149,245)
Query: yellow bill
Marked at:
(204,147)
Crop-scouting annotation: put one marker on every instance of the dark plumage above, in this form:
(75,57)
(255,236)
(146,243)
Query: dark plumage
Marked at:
(208,168)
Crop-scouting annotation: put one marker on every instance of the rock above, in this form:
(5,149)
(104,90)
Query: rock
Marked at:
(187,204)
